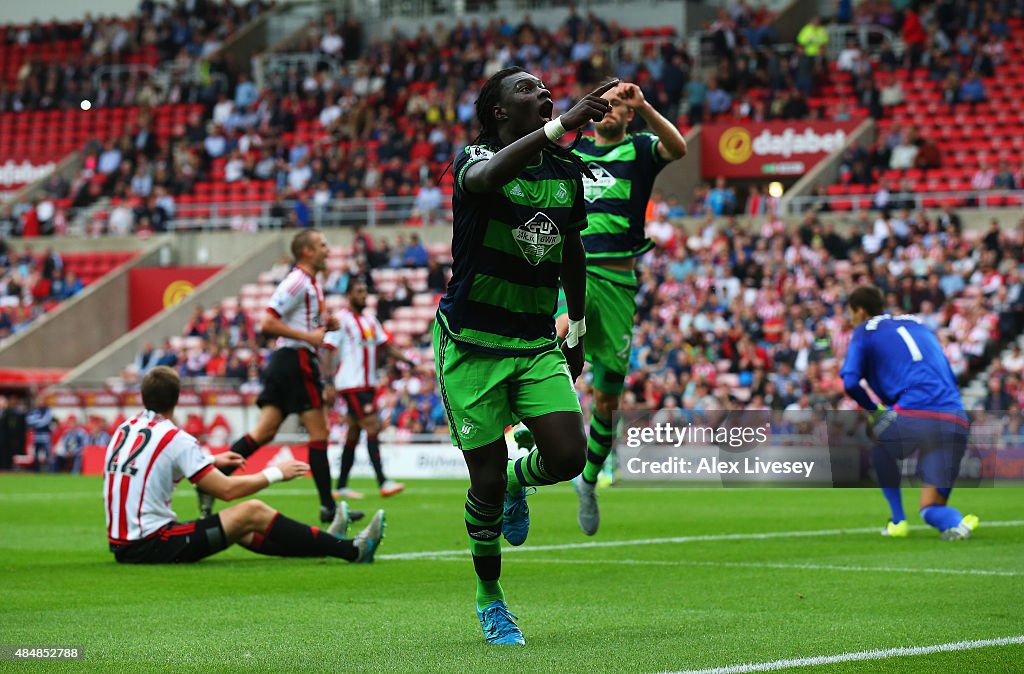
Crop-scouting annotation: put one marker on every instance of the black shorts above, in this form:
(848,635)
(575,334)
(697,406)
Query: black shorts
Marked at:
(175,543)
(361,402)
(291,382)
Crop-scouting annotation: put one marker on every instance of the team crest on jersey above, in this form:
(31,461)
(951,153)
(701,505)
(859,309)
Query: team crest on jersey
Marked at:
(595,189)
(536,238)
(562,193)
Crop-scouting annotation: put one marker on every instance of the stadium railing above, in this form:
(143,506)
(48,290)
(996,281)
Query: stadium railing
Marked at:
(701,43)
(866,200)
(163,75)
(340,212)
(269,64)
(427,8)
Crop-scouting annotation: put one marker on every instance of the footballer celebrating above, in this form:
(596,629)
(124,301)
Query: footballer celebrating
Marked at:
(624,166)
(518,211)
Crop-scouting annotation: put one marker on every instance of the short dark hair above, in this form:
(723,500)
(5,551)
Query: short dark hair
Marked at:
(355,283)
(868,298)
(302,241)
(160,389)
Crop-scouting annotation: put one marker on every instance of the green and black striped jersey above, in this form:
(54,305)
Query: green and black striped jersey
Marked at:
(507,255)
(617,199)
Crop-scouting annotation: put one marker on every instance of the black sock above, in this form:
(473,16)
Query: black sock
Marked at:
(348,457)
(245,446)
(287,538)
(373,447)
(483,524)
(321,471)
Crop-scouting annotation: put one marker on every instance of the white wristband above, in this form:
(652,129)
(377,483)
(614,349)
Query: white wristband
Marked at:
(273,474)
(576,330)
(554,129)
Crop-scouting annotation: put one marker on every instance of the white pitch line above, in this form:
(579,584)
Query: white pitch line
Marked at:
(674,539)
(754,565)
(877,654)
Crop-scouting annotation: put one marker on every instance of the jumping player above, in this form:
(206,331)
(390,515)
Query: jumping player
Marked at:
(356,342)
(292,379)
(518,209)
(624,167)
(147,457)
(921,410)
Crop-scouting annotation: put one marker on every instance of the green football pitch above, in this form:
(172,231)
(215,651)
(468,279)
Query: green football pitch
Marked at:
(676,580)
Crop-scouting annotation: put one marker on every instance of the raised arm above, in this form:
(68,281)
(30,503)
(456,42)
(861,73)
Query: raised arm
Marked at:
(672,145)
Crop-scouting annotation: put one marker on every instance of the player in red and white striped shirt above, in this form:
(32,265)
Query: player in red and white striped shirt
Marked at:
(356,342)
(149,455)
(291,381)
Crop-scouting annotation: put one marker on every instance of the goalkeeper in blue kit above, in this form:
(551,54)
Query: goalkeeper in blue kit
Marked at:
(920,410)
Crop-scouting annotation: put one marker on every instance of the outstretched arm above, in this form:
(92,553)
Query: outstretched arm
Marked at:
(237,486)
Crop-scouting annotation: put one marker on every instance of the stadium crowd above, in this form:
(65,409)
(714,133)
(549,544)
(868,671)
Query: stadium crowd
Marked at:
(755,316)
(30,285)
(185,34)
(730,316)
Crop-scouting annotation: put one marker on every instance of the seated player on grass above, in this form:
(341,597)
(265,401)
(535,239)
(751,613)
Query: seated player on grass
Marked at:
(149,455)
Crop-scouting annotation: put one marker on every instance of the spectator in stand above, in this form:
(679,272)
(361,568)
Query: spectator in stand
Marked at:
(849,56)
(721,200)
(696,99)
(813,37)
(996,398)
(73,441)
(428,203)
(415,255)
(891,93)
(40,421)
(929,156)
(148,358)
(973,89)
(13,430)
(1004,178)
(168,356)
(198,325)
(437,281)
(984,178)
(914,36)
(905,153)
(719,101)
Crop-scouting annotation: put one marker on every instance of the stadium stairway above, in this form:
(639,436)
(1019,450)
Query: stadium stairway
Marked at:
(242,256)
(85,323)
(977,388)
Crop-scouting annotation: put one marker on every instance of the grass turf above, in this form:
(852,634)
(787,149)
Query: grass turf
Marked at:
(692,604)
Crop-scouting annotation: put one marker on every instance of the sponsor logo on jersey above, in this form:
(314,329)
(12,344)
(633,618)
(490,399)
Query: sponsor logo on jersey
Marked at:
(595,189)
(536,238)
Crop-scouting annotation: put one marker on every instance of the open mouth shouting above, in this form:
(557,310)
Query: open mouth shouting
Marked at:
(546,109)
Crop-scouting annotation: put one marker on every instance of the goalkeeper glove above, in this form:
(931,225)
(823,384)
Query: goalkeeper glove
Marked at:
(880,420)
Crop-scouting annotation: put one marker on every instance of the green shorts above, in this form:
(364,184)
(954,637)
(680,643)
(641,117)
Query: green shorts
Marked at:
(611,307)
(485,393)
